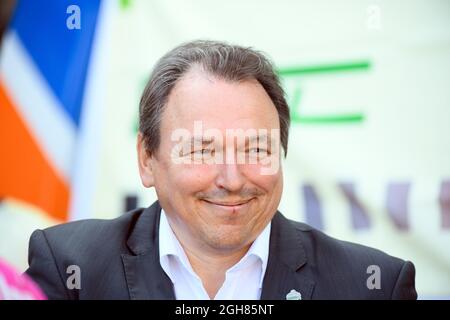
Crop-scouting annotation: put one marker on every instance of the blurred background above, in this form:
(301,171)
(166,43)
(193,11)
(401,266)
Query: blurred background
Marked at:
(368,84)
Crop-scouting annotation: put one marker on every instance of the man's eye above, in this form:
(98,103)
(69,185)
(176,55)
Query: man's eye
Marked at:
(202,151)
(257,150)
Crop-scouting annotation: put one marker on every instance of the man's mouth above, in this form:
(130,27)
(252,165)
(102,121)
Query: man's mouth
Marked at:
(229,205)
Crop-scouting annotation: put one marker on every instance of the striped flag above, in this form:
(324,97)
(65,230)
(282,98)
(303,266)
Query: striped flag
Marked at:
(52,70)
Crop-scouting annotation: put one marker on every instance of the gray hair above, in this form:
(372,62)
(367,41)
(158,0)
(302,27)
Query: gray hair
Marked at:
(225,61)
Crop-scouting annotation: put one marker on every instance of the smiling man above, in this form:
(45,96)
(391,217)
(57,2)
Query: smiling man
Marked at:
(214,125)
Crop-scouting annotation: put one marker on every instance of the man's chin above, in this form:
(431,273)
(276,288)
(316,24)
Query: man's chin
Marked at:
(228,239)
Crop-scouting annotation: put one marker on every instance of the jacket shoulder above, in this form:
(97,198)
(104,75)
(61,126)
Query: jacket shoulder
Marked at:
(89,232)
(349,249)
(93,246)
(348,267)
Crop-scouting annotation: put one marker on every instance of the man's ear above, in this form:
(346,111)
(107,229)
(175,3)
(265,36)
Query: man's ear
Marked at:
(144,162)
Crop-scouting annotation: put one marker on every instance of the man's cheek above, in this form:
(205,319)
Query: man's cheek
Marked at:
(266,182)
(195,174)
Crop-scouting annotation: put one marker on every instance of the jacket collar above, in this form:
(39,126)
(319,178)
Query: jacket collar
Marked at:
(144,275)
(287,266)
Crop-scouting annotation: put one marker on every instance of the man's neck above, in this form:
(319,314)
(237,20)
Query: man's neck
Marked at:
(211,267)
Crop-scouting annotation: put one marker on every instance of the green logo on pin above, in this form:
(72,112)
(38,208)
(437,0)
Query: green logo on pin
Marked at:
(294,295)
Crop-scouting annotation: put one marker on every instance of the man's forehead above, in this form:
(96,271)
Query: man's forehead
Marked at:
(217,102)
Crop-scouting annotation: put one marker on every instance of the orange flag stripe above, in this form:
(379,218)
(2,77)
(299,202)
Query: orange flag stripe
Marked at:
(25,173)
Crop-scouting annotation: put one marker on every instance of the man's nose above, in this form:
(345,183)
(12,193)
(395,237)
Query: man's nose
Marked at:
(230,177)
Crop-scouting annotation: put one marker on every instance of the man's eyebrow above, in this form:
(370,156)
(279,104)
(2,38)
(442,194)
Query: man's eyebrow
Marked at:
(200,140)
(258,138)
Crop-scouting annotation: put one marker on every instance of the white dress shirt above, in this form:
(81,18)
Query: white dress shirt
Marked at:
(242,281)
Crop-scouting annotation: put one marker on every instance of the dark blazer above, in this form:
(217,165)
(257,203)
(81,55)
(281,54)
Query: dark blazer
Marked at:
(119,259)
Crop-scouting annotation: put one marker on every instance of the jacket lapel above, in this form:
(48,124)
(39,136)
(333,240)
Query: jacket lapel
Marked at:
(286,268)
(144,275)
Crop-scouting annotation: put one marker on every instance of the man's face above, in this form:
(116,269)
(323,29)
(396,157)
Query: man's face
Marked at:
(218,205)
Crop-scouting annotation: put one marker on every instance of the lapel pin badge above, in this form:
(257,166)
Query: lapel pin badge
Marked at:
(294,295)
